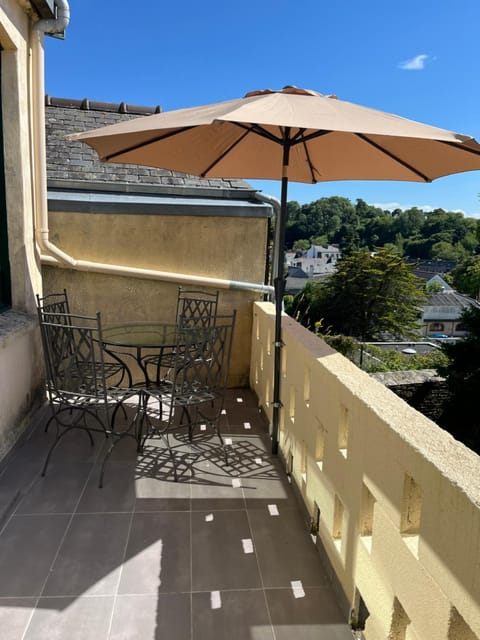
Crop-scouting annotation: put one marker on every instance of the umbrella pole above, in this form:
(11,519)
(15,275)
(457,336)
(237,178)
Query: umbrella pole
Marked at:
(279,284)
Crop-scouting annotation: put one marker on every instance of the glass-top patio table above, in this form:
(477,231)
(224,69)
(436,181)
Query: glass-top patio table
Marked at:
(140,341)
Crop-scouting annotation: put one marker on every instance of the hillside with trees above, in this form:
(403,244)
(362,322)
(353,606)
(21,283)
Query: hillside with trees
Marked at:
(413,234)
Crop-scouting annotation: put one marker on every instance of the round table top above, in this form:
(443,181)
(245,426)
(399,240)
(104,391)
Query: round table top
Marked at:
(140,334)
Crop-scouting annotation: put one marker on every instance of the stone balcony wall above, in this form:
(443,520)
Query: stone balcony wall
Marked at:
(396,499)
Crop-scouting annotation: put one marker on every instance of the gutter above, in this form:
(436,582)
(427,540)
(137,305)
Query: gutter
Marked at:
(49,252)
(275,203)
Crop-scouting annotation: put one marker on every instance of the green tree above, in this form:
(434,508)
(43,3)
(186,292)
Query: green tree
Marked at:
(367,297)
(301,245)
(447,251)
(461,417)
(466,276)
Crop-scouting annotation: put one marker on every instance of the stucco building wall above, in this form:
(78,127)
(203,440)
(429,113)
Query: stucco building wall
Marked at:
(21,368)
(187,244)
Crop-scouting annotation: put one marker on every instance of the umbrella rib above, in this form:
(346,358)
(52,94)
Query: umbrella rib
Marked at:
(461,147)
(394,157)
(310,136)
(309,162)
(141,145)
(225,153)
(259,131)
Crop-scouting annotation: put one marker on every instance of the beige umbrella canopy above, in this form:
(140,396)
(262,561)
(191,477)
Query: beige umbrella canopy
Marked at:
(291,134)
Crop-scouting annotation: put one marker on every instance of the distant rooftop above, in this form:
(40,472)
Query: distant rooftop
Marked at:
(71,163)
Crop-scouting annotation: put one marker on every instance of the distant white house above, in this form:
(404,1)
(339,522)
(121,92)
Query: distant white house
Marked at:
(318,260)
(316,263)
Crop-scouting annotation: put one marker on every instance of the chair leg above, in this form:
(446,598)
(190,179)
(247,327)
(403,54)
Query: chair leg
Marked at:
(172,457)
(106,457)
(53,447)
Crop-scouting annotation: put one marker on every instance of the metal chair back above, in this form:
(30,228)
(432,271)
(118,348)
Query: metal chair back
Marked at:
(56,308)
(74,358)
(54,303)
(202,360)
(198,307)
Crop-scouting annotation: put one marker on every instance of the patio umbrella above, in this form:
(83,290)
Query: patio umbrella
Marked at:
(290,134)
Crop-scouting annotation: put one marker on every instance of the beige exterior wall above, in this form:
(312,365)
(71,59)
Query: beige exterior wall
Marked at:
(399,497)
(20,356)
(227,248)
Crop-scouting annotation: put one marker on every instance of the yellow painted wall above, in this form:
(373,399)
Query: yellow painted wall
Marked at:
(224,248)
(410,532)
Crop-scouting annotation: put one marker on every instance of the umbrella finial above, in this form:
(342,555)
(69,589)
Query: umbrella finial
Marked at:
(289,88)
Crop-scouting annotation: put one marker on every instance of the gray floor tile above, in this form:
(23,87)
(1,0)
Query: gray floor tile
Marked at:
(232,615)
(309,615)
(240,398)
(245,420)
(117,493)
(221,557)
(284,549)
(161,495)
(215,487)
(28,545)
(71,618)
(268,485)
(59,491)
(15,615)
(246,450)
(155,486)
(90,557)
(75,445)
(159,617)
(15,482)
(158,554)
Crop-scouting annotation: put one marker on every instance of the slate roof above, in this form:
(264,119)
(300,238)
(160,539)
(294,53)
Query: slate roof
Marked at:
(450,298)
(296,272)
(446,305)
(75,162)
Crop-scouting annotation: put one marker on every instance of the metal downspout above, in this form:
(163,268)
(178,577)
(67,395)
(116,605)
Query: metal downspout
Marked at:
(39,146)
(262,197)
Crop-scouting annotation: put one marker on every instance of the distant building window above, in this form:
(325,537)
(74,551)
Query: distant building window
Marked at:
(460,327)
(5,283)
(436,326)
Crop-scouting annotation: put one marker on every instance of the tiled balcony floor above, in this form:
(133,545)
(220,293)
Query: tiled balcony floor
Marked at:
(222,554)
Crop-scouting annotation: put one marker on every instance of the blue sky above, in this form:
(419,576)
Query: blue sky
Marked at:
(420,60)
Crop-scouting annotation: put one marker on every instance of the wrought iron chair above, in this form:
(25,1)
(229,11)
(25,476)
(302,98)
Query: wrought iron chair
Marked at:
(194,308)
(79,389)
(54,303)
(196,304)
(192,392)
(57,307)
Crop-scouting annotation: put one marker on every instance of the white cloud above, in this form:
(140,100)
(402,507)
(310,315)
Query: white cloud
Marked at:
(391,206)
(414,64)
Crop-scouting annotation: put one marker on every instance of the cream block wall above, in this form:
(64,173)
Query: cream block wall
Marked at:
(399,497)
